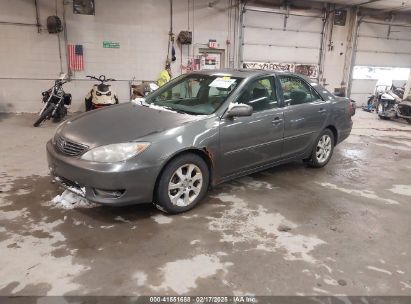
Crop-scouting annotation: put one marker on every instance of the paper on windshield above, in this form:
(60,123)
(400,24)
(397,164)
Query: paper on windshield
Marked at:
(222,82)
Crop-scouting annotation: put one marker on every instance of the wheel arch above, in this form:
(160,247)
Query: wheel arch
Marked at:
(204,153)
(335,133)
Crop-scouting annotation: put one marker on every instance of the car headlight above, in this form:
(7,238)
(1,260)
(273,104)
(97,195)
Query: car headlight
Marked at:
(115,152)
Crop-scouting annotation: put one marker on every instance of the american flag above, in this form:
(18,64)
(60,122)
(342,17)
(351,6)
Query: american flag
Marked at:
(75,52)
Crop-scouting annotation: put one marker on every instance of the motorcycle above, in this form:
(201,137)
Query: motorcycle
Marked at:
(100,95)
(390,105)
(373,99)
(55,102)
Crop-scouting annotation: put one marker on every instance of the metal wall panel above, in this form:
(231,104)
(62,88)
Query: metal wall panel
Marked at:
(382,45)
(375,49)
(270,37)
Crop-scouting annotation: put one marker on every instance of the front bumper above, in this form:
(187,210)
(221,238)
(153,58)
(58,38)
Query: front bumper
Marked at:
(123,183)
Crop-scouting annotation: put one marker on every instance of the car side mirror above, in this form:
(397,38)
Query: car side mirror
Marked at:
(239,110)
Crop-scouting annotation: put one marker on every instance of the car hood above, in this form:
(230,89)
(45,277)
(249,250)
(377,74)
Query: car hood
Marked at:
(120,123)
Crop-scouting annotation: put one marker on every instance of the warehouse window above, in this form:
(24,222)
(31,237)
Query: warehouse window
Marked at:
(390,73)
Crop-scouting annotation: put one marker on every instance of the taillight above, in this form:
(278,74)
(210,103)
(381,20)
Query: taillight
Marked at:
(350,108)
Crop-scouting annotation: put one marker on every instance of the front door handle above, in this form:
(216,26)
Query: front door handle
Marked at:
(277,121)
(322,110)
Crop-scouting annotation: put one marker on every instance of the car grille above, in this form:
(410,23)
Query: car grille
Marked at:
(68,147)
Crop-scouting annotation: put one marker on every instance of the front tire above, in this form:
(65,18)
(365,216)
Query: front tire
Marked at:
(183,184)
(44,116)
(323,149)
(380,111)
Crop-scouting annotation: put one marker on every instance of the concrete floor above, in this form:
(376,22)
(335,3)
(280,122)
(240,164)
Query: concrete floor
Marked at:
(291,230)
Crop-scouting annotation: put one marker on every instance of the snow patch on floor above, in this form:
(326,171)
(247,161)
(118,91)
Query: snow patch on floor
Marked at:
(5,187)
(330,281)
(69,200)
(107,227)
(15,214)
(363,193)
(316,289)
(250,183)
(393,146)
(32,266)
(121,219)
(241,224)
(22,192)
(401,189)
(379,270)
(162,219)
(181,276)
(3,202)
(140,277)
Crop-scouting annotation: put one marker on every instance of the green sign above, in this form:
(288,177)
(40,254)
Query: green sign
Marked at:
(111,45)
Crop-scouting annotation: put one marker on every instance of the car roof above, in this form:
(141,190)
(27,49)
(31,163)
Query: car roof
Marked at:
(246,73)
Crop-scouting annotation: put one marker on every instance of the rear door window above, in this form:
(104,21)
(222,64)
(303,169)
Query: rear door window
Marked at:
(296,91)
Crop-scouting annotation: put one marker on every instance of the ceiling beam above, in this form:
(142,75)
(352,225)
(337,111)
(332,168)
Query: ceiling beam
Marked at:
(389,10)
(356,5)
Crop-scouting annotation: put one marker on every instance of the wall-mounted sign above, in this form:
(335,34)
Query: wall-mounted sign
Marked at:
(210,61)
(212,44)
(309,70)
(111,45)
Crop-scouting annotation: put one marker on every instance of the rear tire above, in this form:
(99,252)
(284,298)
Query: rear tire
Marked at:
(44,116)
(182,184)
(323,149)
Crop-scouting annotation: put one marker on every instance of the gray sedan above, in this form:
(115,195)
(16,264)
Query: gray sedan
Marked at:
(199,130)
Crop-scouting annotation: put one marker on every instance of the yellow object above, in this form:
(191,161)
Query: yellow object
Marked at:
(163,78)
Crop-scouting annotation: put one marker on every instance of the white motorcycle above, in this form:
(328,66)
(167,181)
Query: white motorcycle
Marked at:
(101,95)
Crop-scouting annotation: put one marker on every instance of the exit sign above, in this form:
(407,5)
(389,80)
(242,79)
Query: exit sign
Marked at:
(111,45)
(212,44)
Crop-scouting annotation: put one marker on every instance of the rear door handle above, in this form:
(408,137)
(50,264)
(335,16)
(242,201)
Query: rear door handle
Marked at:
(277,121)
(322,110)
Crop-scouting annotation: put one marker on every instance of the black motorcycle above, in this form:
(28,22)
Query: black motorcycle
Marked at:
(55,101)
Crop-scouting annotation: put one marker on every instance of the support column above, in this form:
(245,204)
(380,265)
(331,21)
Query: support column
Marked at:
(407,92)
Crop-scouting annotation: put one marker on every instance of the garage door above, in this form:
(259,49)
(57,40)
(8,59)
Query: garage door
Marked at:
(379,45)
(271,37)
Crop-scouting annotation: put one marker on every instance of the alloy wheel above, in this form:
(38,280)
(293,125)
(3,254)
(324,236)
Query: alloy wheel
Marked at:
(324,147)
(185,185)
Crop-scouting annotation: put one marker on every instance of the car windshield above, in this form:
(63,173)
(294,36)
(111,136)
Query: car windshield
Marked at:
(194,94)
